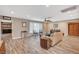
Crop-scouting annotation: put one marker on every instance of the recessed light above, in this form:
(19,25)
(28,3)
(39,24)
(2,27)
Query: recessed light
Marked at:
(47,5)
(12,12)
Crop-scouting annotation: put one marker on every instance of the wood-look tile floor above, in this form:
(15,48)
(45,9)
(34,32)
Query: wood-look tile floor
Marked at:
(31,45)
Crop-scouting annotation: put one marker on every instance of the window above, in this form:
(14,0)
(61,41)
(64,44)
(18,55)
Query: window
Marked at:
(35,27)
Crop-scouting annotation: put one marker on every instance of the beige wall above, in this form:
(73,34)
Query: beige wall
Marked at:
(47,26)
(0,29)
(17,28)
(51,25)
(27,25)
(63,26)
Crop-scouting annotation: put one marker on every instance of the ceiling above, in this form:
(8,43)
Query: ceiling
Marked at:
(39,12)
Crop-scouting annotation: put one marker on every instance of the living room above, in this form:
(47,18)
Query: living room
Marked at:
(39,29)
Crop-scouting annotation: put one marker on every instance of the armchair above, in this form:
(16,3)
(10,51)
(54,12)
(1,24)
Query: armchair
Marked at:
(56,38)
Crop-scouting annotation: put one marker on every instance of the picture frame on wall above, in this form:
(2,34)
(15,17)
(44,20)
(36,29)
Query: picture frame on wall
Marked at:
(55,25)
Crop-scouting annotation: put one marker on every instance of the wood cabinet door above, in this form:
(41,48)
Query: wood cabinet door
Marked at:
(76,29)
(73,29)
(70,29)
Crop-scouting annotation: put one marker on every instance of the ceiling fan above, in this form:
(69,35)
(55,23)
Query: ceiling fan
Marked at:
(69,9)
(48,19)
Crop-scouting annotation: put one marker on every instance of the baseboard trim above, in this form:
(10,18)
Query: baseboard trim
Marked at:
(16,38)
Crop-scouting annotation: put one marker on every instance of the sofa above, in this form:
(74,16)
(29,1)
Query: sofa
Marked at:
(56,38)
(2,47)
(53,39)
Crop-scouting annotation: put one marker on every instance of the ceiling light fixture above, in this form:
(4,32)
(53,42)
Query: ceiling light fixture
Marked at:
(27,16)
(12,12)
(47,5)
